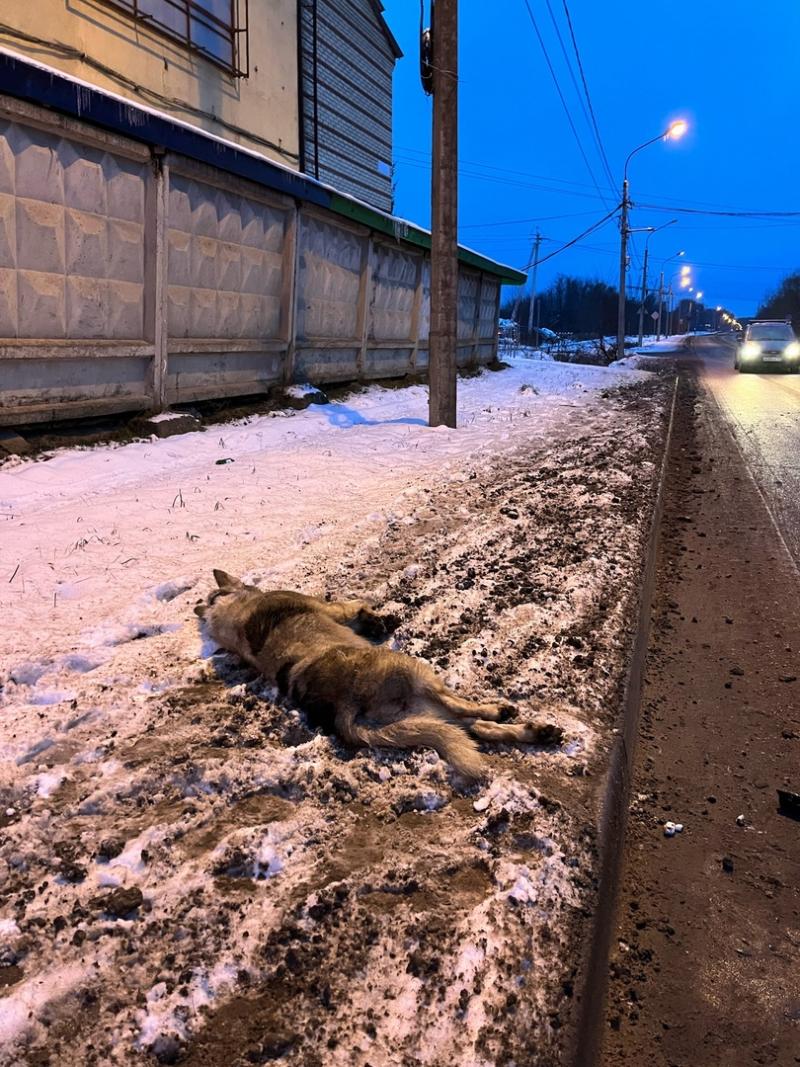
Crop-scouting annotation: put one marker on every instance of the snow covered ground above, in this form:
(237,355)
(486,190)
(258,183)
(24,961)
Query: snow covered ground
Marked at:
(650,347)
(187,872)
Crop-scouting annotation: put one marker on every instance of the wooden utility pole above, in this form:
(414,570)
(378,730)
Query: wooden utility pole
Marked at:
(443,340)
(536,244)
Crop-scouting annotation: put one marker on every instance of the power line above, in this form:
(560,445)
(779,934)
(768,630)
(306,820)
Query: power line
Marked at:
(591,229)
(703,207)
(729,214)
(518,222)
(595,127)
(563,101)
(510,182)
(571,72)
(483,165)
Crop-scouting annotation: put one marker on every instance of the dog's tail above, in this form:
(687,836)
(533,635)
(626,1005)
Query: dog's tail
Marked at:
(451,742)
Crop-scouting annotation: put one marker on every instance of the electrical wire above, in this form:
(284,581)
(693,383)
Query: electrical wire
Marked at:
(483,165)
(563,101)
(588,94)
(701,207)
(478,176)
(517,222)
(586,115)
(569,244)
(729,214)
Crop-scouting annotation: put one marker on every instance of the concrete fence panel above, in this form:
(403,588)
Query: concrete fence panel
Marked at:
(228,270)
(72,273)
(131,279)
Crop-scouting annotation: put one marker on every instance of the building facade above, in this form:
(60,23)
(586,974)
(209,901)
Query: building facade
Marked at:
(149,260)
(347,58)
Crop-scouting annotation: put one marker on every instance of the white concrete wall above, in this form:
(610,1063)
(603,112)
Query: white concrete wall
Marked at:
(129,282)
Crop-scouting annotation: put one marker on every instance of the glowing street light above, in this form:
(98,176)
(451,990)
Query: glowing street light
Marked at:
(663,293)
(676,129)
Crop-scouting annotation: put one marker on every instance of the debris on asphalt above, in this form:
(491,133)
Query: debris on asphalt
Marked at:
(740,820)
(727,864)
(672,828)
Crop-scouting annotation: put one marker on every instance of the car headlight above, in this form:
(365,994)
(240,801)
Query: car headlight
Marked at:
(751,349)
(792,351)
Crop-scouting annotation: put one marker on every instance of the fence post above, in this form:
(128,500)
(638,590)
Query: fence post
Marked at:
(476,325)
(363,321)
(416,309)
(289,294)
(155,294)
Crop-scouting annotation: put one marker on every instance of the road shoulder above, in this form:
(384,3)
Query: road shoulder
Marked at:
(704,966)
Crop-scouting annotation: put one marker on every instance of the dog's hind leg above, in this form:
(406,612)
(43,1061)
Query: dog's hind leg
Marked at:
(460,707)
(527,733)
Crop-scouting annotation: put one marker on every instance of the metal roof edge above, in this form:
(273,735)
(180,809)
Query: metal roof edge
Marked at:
(378,8)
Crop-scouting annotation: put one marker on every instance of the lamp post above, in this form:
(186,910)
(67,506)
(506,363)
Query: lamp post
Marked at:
(673,132)
(653,230)
(693,307)
(692,302)
(661,293)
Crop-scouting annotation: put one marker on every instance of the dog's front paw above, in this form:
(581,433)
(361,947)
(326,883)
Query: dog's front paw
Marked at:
(545,733)
(506,712)
(375,627)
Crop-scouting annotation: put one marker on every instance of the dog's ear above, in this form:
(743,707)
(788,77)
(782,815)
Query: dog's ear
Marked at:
(226,581)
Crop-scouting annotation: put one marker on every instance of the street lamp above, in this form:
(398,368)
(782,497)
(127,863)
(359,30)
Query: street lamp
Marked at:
(673,132)
(644,274)
(661,292)
(692,302)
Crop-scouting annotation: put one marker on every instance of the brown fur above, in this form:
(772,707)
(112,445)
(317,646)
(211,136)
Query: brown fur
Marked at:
(321,654)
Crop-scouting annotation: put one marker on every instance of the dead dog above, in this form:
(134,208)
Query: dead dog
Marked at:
(320,654)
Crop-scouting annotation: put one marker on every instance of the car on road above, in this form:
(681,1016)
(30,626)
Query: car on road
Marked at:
(768,343)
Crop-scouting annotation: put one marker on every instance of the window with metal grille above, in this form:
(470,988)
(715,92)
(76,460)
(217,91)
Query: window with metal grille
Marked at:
(216,29)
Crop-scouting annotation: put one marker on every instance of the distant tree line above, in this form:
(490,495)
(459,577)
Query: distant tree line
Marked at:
(784,302)
(582,307)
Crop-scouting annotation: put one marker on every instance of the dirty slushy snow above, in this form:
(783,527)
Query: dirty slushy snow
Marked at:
(187,871)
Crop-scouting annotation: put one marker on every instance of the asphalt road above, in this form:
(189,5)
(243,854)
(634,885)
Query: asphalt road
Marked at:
(763,410)
(705,960)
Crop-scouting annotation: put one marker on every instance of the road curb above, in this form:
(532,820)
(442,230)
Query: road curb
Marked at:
(593,981)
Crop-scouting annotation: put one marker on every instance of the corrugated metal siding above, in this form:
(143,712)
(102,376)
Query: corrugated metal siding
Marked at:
(347,123)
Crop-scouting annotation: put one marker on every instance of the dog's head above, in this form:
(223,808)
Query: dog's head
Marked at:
(227,585)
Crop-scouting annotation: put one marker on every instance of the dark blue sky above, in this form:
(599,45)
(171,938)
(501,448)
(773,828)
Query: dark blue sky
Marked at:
(729,66)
